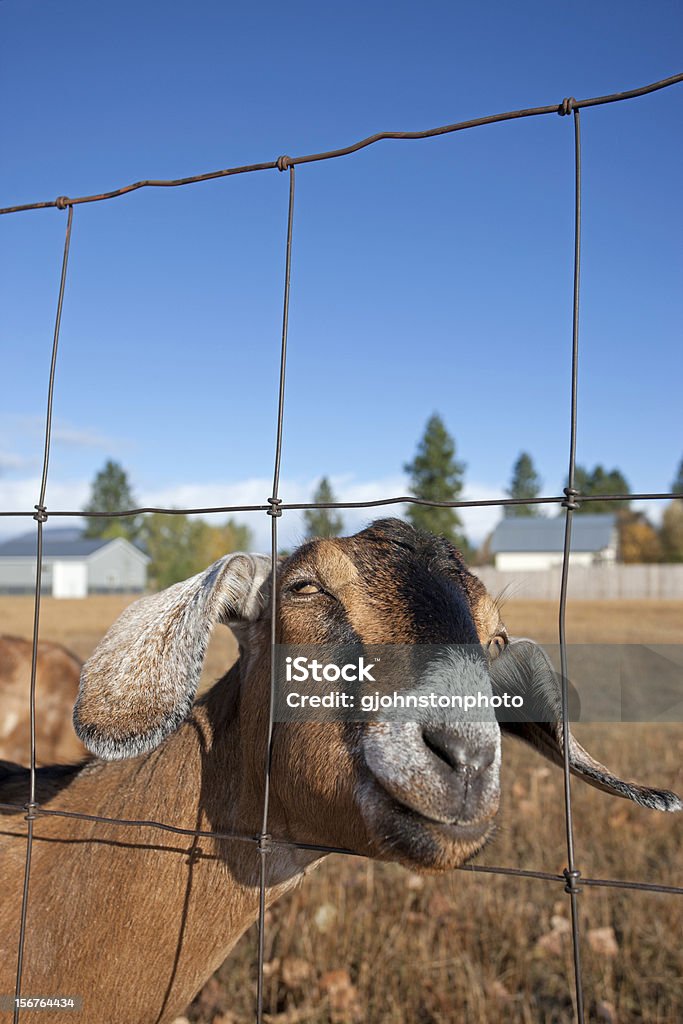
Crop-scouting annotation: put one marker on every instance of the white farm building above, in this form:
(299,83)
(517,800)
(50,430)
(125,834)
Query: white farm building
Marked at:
(73,565)
(528,543)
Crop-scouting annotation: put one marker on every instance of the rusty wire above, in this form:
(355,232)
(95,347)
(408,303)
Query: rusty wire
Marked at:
(282,162)
(571,872)
(404,499)
(274,507)
(290,844)
(264,841)
(40,516)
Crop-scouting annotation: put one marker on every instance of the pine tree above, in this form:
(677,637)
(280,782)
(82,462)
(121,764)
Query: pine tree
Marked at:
(437,475)
(677,485)
(525,483)
(111,492)
(323,522)
(601,481)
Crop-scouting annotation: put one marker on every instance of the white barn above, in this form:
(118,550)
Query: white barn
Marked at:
(73,565)
(528,543)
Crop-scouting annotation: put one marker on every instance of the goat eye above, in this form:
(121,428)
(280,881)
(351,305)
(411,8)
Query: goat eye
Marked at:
(306,587)
(496,645)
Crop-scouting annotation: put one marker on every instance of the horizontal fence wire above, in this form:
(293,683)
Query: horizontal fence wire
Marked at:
(568,502)
(283,162)
(290,844)
(405,499)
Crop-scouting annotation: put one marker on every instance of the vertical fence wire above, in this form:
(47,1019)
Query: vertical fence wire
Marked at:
(264,846)
(571,872)
(41,518)
(274,508)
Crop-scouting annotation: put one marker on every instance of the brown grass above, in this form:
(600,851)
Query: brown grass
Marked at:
(371,942)
(598,622)
(374,943)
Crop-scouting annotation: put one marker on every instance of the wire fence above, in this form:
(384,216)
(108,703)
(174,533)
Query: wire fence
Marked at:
(274,506)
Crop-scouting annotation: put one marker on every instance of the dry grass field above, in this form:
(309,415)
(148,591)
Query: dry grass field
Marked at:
(363,942)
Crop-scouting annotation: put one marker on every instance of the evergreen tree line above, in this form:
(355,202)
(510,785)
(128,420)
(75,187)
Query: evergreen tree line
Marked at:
(180,546)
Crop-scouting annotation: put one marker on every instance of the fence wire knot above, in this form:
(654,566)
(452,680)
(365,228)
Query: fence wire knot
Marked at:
(274,509)
(566,106)
(570,502)
(61,202)
(30,811)
(283,162)
(40,514)
(571,879)
(265,843)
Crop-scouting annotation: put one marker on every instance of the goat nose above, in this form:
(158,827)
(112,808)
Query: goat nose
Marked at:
(460,755)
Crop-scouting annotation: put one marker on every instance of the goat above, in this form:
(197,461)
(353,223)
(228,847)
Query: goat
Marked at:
(57,674)
(134,921)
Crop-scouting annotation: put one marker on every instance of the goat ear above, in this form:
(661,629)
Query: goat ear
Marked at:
(524,669)
(139,684)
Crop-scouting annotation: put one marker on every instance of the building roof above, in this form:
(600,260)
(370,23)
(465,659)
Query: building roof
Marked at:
(540,533)
(58,542)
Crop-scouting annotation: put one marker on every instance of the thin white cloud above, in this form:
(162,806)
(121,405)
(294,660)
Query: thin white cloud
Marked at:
(22,495)
(18,495)
(79,437)
(255,491)
(480,521)
(63,432)
(12,461)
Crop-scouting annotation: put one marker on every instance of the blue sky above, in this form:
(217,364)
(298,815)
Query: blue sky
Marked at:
(432,275)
